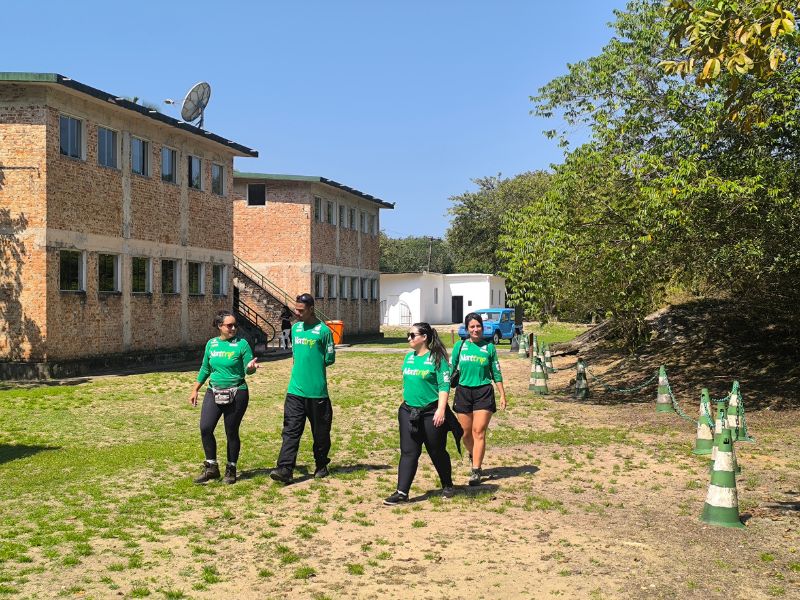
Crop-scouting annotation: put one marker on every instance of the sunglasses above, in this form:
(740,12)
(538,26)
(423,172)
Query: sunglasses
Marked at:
(229,325)
(411,335)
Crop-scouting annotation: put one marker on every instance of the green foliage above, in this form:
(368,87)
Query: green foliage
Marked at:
(413,253)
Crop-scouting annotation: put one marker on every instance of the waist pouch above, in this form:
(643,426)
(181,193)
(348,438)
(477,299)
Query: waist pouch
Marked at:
(223,396)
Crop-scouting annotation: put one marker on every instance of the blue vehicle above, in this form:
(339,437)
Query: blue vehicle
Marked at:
(498,324)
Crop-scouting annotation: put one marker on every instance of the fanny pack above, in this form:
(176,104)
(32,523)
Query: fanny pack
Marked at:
(224,396)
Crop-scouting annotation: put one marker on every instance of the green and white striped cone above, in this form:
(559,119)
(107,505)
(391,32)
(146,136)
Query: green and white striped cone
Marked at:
(540,356)
(722,502)
(548,359)
(733,410)
(535,348)
(581,384)
(663,399)
(719,422)
(704,442)
(523,346)
(538,384)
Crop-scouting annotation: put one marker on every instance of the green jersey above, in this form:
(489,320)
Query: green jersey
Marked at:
(422,381)
(312,348)
(225,362)
(478,363)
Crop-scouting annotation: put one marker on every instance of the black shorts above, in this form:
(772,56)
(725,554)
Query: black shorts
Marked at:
(469,399)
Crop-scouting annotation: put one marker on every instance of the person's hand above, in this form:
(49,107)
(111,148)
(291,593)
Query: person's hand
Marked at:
(253,364)
(193,398)
(503,402)
(438,417)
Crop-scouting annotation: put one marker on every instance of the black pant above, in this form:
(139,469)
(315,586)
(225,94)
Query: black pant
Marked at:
(209,417)
(435,440)
(320,414)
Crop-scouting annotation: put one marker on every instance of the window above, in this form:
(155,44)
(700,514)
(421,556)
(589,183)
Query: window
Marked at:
(330,213)
(365,288)
(219,284)
(317,209)
(331,286)
(196,279)
(436,295)
(141,278)
(374,289)
(170,277)
(106,147)
(372,221)
(353,222)
(71,268)
(342,216)
(256,194)
(364,222)
(195,175)
(107,273)
(504,318)
(344,287)
(139,162)
(354,288)
(168,162)
(318,279)
(71,137)
(217,179)
(491,297)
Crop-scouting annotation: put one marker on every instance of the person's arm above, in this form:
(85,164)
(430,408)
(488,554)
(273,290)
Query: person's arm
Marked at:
(497,376)
(454,355)
(250,363)
(202,376)
(330,350)
(443,385)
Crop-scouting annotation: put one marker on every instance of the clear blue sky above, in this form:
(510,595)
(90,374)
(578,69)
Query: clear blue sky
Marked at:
(405,100)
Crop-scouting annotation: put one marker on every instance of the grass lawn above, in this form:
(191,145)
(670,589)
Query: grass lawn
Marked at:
(594,501)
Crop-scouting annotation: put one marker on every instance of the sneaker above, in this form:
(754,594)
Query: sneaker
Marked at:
(397,498)
(321,472)
(448,491)
(210,471)
(230,474)
(475,477)
(282,474)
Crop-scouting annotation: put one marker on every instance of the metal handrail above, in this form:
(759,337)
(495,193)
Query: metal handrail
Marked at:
(255,320)
(268,286)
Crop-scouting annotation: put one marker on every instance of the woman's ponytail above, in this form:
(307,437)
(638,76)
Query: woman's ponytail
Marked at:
(435,345)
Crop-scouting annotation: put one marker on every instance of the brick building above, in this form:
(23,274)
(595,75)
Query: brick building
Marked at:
(311,234)
(115,224)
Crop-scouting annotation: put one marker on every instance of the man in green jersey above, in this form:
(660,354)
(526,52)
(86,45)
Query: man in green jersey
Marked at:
(307,395)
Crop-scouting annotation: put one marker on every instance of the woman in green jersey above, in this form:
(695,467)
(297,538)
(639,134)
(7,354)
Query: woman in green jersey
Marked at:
(476,361)
(228,358)
(423,414)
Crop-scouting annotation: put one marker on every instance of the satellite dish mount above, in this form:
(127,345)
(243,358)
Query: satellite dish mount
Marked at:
(194,105)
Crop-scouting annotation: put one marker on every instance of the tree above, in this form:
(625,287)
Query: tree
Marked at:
(411,254)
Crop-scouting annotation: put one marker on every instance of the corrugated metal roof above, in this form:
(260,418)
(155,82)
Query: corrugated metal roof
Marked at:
(55,78)
(311,179)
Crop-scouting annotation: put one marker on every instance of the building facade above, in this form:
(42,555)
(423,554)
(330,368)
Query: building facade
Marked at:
(115,224)
(438,298)
(311,234)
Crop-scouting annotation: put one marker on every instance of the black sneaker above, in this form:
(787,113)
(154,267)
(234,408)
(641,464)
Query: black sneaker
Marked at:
(230,474)
(448,491)
(397,498)
(210,471)
(475,477)
(282,474)
(321,472)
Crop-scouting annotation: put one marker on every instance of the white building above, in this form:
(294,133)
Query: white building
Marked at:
(408,298)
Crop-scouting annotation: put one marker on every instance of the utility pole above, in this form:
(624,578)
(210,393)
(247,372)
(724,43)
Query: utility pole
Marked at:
(430,250)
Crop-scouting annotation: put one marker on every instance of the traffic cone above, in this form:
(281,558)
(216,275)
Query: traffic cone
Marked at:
(704,442)
(733,410)
(722,502)
(719,422)
(581,384)
(523,346)
(663,399)
(535,346)
(537,384)
(548,359)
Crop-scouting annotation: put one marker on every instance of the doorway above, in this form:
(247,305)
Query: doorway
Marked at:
(458,309)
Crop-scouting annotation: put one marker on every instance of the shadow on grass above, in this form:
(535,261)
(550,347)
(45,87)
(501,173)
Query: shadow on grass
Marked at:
(10,452)
(27,385)
(302,473)
(461,490)
(506,472)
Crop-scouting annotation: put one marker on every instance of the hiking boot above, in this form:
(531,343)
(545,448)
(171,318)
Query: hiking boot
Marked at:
(210,471)
(282,475)
(230,474)
(475,477)
(448,491)
(321,472)
(397,498)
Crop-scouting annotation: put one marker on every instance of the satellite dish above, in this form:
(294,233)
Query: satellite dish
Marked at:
(195,102)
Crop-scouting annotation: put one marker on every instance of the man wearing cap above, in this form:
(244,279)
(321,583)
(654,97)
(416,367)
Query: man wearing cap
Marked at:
(307,395)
